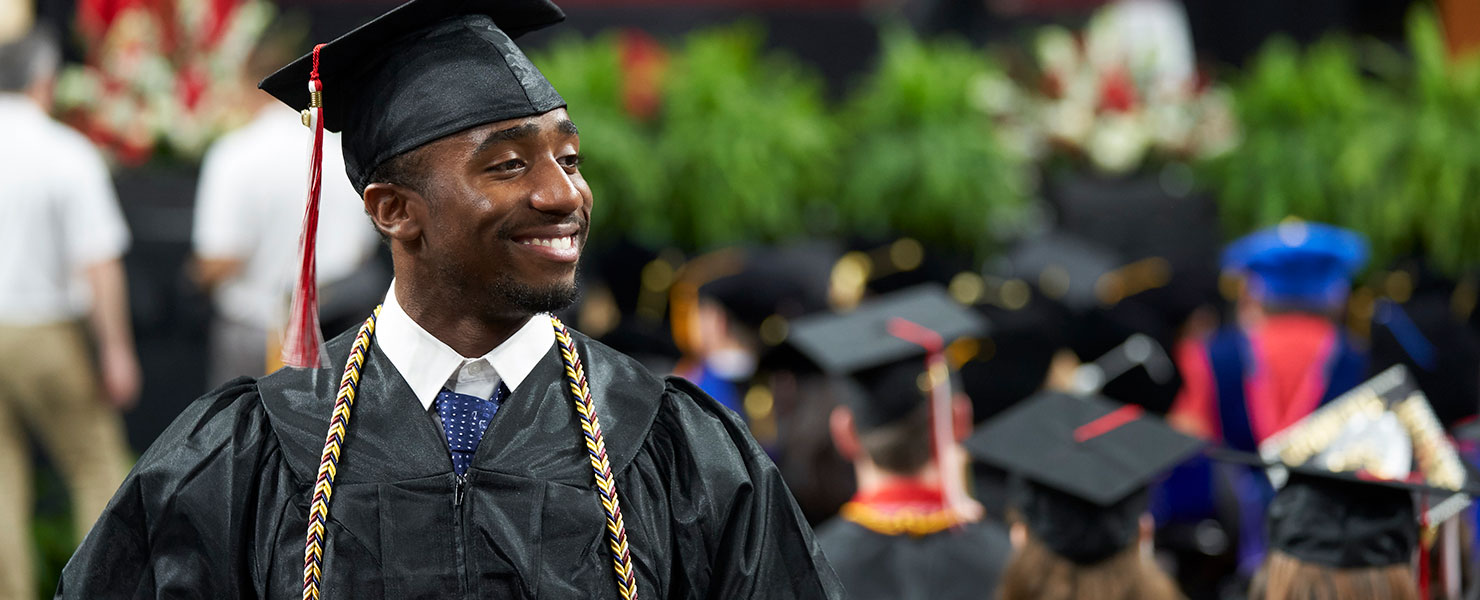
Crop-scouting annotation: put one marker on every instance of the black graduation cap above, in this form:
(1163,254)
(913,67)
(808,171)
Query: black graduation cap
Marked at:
(1343,523)
(1101,303)
(1380,434)
(876,344)
(1087,463)
(423,71)
(786,282)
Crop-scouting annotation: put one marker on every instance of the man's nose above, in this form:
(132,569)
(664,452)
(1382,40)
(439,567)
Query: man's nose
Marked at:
(556,190)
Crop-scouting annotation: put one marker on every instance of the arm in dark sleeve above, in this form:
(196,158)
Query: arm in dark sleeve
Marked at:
(761,546)
(185,521)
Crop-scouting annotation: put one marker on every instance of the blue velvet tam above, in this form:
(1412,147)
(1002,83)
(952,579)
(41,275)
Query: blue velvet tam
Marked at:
(1299,263)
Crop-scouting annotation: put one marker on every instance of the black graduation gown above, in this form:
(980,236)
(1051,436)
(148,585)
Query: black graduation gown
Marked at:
(954,564)
(217,507)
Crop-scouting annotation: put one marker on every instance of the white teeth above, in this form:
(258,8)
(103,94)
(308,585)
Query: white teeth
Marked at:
(561,243)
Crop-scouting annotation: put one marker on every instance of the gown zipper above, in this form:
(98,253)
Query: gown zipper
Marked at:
(459,489)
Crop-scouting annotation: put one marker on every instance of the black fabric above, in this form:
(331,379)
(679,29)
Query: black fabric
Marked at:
(426,70)
(1041,439)
(217,507)
(963,563)
(789,282)
(845,343)
(1343,524)
(1080,531)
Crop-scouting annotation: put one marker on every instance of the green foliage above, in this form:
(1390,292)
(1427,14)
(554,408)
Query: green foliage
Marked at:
(922,158)
(746,141)
(745,146)
(1395,155)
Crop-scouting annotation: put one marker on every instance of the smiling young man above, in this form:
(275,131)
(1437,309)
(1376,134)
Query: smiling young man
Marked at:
(490,453)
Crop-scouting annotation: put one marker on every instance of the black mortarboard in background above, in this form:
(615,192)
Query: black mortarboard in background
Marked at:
(1343,523)
(421,72)
(786,282)
(636,280)
(889,370)
(1101,304)
(1087,463)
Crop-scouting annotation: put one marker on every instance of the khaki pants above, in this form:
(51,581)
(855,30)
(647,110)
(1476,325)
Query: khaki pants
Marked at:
(48,385)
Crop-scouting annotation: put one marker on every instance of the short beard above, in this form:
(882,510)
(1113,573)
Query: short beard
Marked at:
(530,299)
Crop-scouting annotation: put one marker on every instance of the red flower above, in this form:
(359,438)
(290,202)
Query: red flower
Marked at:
(1117,91)
(643,64)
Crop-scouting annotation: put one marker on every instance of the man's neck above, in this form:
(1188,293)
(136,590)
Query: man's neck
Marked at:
(872,478)
(448,320)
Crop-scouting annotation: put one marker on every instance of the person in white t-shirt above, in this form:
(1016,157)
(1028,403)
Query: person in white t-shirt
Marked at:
(248,211)
(62,290)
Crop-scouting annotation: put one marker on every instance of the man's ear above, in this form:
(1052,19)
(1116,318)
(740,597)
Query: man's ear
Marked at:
(398,211)
(845,437)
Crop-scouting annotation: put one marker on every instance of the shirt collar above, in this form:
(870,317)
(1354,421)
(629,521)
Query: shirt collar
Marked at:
(12,102)
(427,364)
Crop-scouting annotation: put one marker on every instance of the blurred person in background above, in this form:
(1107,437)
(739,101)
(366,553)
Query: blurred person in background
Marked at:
(67,359)
(1081,468)
(900,537)
(1288,352)
(1331,538)
(1286,355)
(249,206)
(732,305)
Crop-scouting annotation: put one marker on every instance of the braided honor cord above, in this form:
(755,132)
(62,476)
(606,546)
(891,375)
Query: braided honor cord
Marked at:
(323,488)
(606,483)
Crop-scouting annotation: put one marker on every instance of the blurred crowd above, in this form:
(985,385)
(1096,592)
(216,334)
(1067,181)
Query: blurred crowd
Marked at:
(1063,437)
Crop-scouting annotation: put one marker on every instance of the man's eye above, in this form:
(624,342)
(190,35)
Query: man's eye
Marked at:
(572,161)
(507,166)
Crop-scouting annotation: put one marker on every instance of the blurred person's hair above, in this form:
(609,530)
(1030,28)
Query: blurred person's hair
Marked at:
(1284,577)
(33,58)
(1038,573)
(902,447)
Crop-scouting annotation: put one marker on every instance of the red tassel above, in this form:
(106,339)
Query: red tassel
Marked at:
(303,341)
(943,422)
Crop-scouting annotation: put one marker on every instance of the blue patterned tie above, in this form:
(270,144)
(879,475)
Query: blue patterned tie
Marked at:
(464,419)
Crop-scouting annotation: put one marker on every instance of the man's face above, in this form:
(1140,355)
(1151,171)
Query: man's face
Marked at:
(507,212)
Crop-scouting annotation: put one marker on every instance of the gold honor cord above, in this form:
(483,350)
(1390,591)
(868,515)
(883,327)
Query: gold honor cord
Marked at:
(323,487)
(606,483)
(911,522)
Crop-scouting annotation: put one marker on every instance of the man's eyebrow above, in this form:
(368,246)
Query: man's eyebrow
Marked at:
(516,132)
(567,127)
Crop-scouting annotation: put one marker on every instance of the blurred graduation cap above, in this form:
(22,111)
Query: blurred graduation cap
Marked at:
(625,303)
(425,70)
(884,344)
(1342,523)
(1087,463)
(1381,433)
(1097,301)
(1298,263)
(776,284)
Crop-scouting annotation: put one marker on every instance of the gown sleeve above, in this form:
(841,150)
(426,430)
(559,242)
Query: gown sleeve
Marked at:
(195,516)
(751,540)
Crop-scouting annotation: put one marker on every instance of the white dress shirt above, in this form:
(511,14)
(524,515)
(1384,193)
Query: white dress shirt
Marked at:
(428,365)
(249,207)
(61,216)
